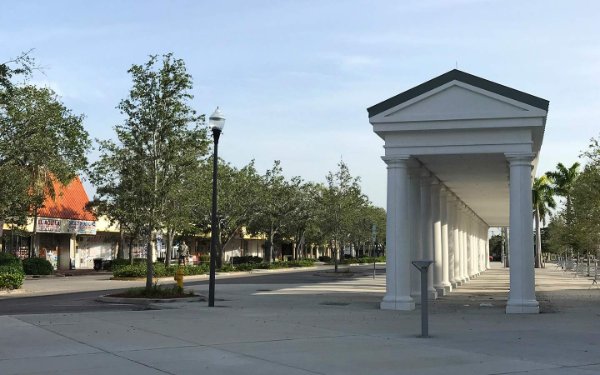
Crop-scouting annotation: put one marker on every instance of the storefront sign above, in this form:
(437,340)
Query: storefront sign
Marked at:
(49,225)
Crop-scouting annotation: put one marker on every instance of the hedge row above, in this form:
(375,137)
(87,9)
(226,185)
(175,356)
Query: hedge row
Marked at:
(160,270)
(270,266)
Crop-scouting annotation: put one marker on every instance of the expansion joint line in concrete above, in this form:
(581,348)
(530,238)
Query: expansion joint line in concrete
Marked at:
(99,349)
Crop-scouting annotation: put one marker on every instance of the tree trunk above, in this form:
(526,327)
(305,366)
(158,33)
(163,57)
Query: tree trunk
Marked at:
(170,235)
(335,255)
(271,236)
(149,265)
(121,252)
(538,242)
(131,249)
(1,234)
(33,243)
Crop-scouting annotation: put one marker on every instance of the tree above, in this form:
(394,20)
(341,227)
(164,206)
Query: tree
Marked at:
(41,141)
(278,204)
(22,66)
(239,199)
(114,174)
(586,200)
(543,200)
(162,138)
(341,202)
(563,181)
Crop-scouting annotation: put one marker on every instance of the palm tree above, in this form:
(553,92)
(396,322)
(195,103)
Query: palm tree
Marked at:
(543,200)
(563,182)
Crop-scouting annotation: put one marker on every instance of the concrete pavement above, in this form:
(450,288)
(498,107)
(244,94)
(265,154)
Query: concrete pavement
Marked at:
(334,327)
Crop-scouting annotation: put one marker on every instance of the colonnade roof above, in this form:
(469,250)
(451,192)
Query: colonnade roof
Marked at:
(458,75)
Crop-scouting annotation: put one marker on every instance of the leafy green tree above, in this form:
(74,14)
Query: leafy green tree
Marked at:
(586,200)
(543,200)
(114,174)
(161,137)
(21,66)
(42,141)
(278,205)
(238,196)
(341,202)
(563,181)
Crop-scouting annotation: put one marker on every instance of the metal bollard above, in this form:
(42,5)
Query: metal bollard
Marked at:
(423,266)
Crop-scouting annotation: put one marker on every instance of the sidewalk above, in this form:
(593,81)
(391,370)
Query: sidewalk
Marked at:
(333,327)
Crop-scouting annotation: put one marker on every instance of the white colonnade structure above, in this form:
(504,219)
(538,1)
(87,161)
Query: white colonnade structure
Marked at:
(461,153)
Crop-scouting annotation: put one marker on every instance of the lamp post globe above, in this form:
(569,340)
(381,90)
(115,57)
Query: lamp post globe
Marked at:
(216,122)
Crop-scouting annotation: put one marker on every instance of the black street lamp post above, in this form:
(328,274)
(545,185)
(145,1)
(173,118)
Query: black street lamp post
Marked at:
(216,122)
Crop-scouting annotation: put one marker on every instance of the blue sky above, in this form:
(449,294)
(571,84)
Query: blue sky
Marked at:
(294,78)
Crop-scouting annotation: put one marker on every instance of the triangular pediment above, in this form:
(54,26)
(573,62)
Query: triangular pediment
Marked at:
(458,95)
(457,101)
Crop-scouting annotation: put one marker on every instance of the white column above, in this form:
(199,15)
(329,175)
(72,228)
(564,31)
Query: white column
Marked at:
(458,260)
(463,249)
(452,241)
(447,287)
(521,298)
(437,236)
(484,254)
(397,296)
(487,247)
(414,212)
(427,230)
(470,247)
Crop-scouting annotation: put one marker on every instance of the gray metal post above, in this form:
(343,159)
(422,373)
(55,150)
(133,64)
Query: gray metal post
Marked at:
(424,305)
(423,266)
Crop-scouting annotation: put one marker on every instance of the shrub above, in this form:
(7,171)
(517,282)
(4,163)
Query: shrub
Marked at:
(11,276)
(116,263)
(9,259)
(130,270)
(325,258)
(204,258)
(37,266)
(157,291)
(246,259)
(262,266)
(160,270)
(244,267)
(195,270)
(301,263)
(227,268)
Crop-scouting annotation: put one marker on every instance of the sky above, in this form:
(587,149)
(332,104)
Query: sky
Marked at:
(294,78)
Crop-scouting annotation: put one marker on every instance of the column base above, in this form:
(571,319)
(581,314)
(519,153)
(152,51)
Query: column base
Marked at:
(523,307)
(456,284)
(447,287)
(441,291)
(399,303)
(432,293)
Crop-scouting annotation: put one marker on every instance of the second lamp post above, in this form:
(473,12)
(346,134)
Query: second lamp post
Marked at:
(216,122)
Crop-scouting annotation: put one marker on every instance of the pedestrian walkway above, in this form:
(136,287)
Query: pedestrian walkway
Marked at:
(333,327)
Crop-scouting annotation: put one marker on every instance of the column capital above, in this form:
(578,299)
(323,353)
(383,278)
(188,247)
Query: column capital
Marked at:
(396,160)
(520,158)
(444,191)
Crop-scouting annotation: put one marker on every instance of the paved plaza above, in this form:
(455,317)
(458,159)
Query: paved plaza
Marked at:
(333,326)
